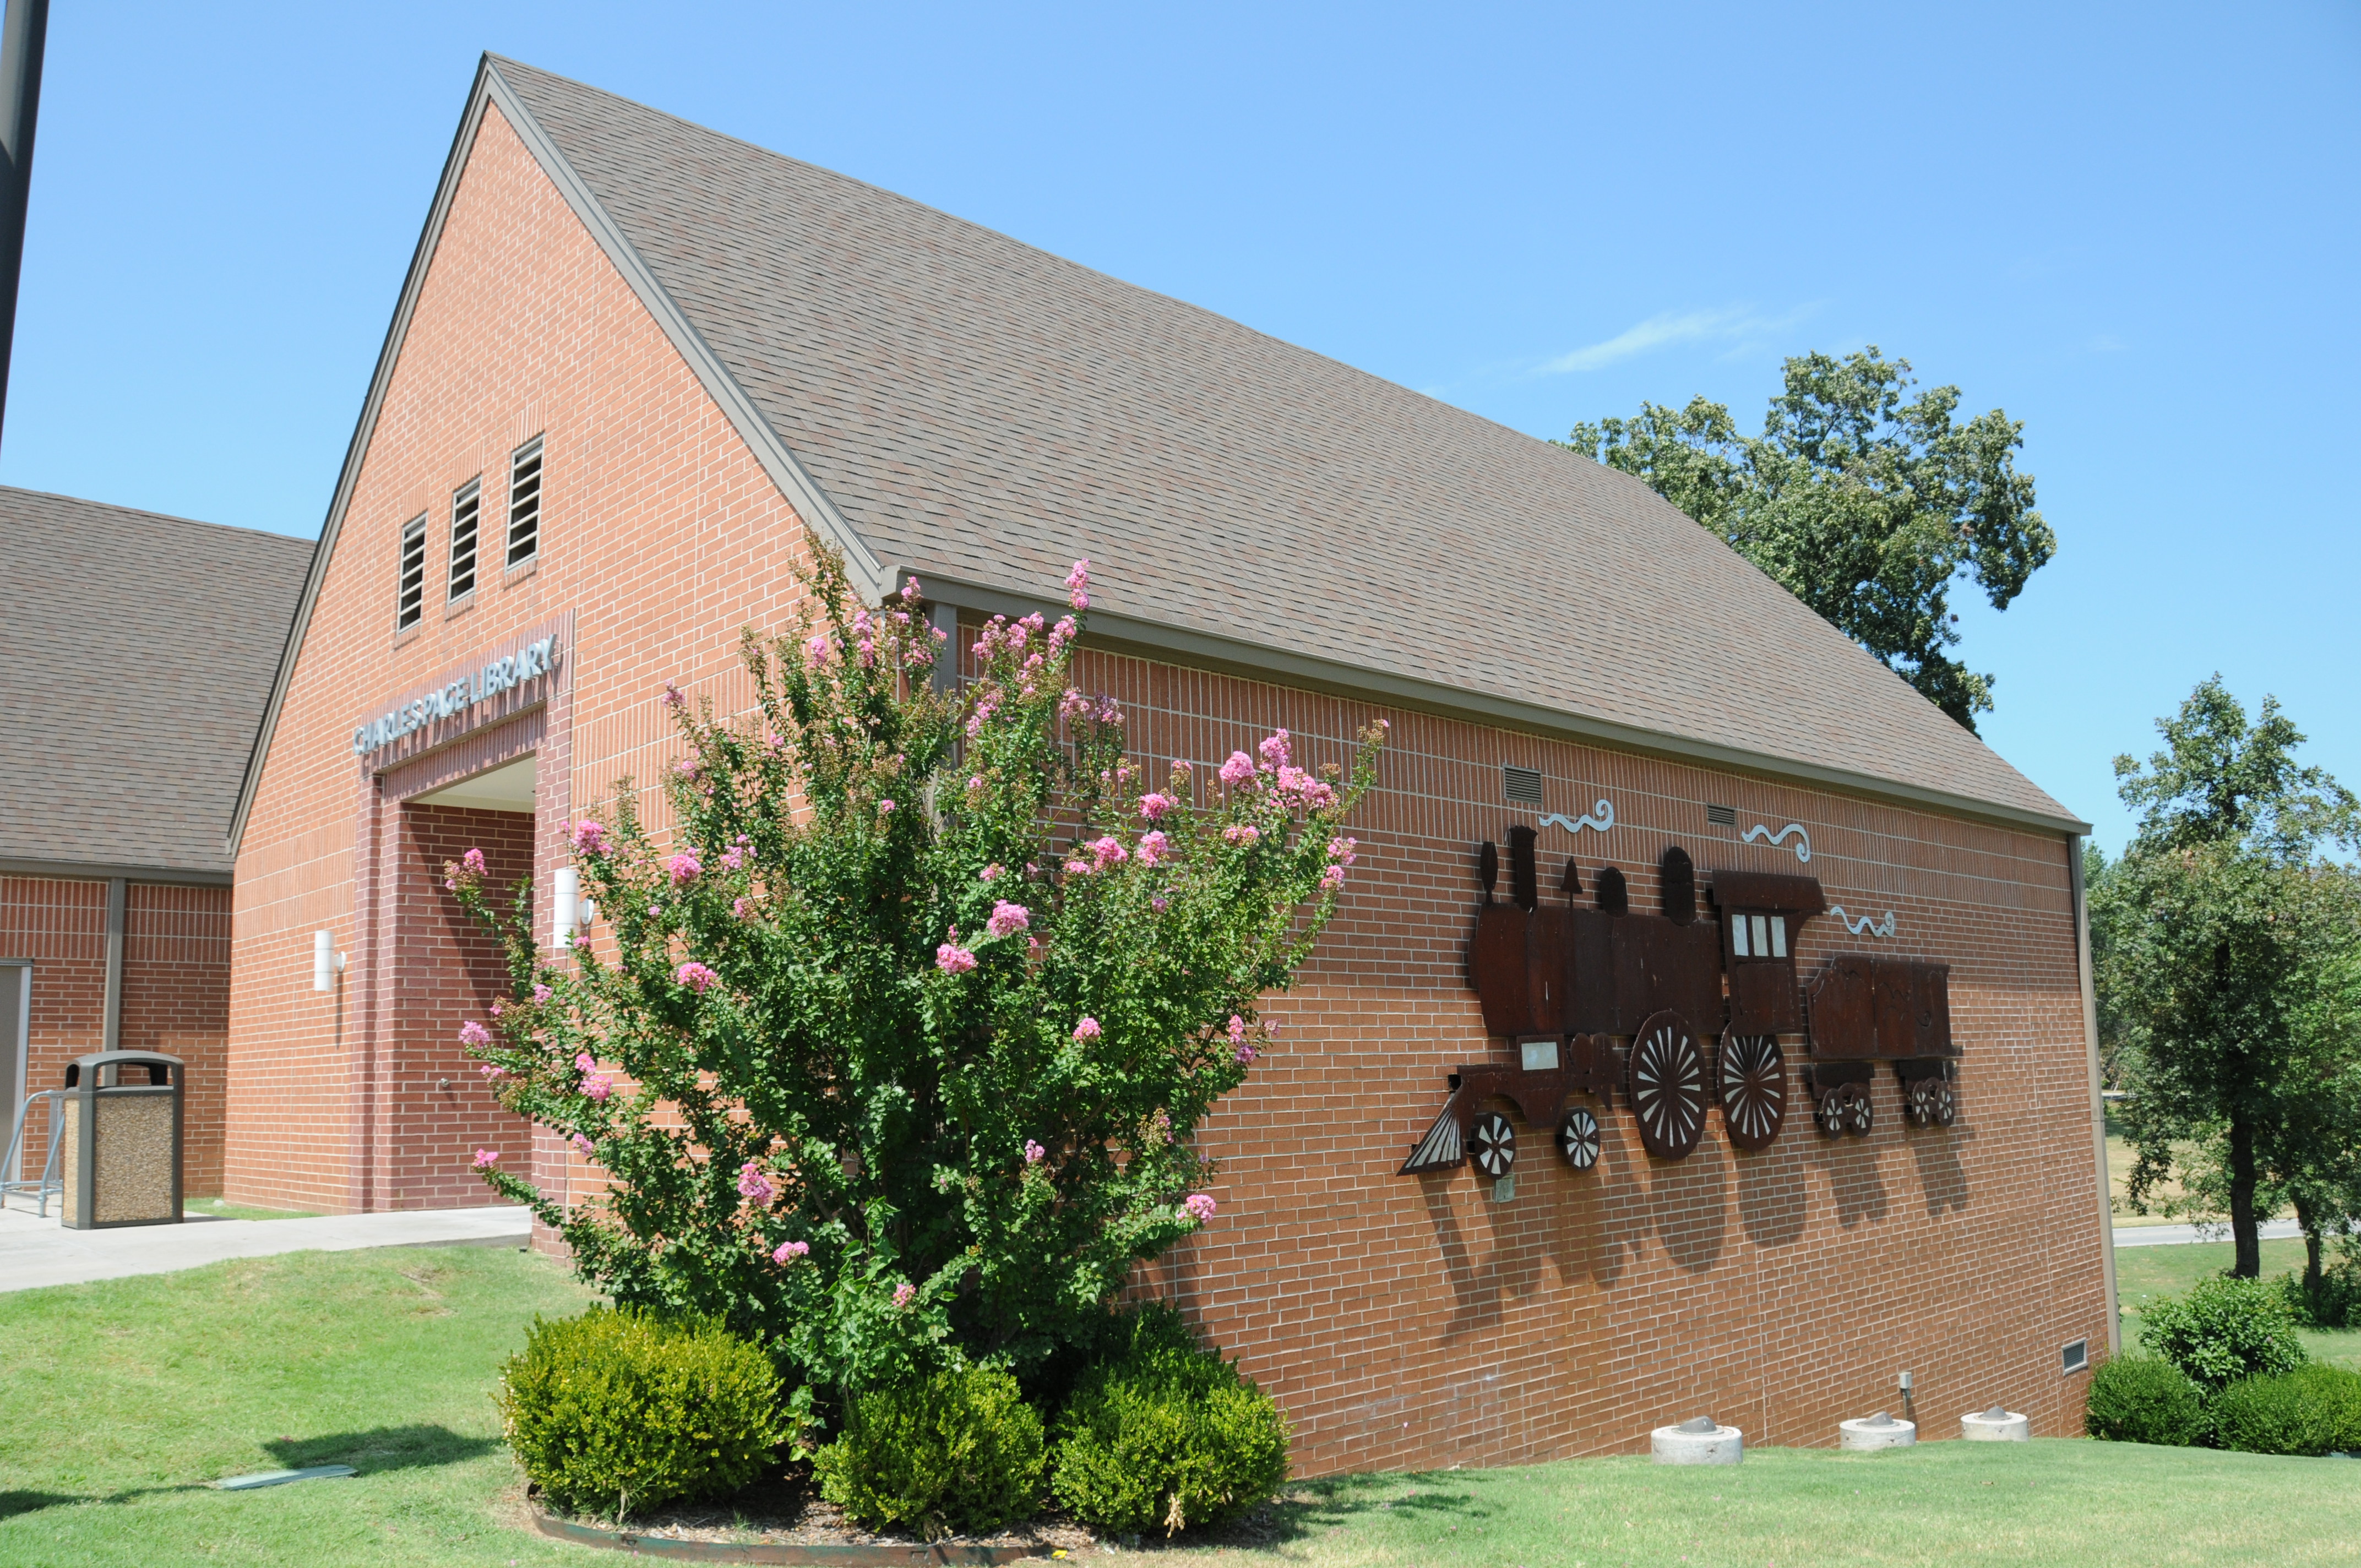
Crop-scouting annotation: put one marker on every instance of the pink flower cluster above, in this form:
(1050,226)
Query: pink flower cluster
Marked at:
(886,809)
(1007,918)
(905,1293)
(1241,833)
(952,958)
(696,976)
(753,1185)
(1314,794)
(487,1158)
(541,995)
(494,1071)
(1034,1152)
(589,838)
(1155,849)
(581,1141)
(688,767)
(472,862)
(989,872)
(1088,1029)
(742,908)
(1200,1207)
(673,697)
(684,868)
(816,648)
(1154,804)
(1107,851)
(1239,770)
(789,1251)
(1078,581)
(474,1033)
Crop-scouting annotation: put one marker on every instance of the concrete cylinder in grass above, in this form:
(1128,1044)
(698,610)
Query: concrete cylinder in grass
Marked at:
(1998,1424)
(1867,1435)
(1700,1440)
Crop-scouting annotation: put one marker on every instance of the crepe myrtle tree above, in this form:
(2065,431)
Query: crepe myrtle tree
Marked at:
(892,1053)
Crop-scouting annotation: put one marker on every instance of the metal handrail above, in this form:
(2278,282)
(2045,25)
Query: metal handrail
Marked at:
(51,1180)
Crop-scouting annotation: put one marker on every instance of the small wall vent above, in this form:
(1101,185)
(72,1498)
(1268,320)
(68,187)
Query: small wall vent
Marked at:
(1521,785)
(1720,816)
(524,503)
(409,601)
(2075,1357)
(465,504)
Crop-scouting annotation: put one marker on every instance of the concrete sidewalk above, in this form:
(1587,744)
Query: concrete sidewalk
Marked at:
(35,1252)
(2177,1235)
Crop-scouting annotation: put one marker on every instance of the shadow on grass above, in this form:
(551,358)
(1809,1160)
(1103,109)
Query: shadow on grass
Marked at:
(1314,1508)
(382,1448)
(372,1452)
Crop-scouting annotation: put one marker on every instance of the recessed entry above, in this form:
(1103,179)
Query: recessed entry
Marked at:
(508,787)
(1721,816)
(1521,785)
(2075,1357)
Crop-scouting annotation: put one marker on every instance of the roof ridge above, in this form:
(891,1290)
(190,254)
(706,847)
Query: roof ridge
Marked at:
(155,516)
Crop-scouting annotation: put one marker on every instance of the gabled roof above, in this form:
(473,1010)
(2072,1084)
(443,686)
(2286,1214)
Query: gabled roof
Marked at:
(947,402)
(136,651)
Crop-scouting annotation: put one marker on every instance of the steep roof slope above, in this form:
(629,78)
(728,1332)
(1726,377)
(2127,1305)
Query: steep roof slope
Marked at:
(136,653)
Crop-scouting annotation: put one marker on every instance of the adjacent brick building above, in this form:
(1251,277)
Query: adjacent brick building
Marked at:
(639,368)
(135,652)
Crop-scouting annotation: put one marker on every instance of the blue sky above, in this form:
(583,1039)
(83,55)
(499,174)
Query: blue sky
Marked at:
(2134,229)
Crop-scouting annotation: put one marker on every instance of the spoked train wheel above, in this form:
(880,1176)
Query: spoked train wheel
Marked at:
(1754,1084)
(1947,1104)
(1853,1097)
(1828,1114)
(1918,1102)
(1492,1144)
(1666,1077)
(1578,1138)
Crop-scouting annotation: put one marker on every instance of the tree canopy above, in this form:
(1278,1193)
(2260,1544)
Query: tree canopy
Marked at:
(2228,951)
(1863,502)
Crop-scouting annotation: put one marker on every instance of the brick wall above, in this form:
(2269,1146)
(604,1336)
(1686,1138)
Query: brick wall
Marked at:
(62,926)
(176,1000)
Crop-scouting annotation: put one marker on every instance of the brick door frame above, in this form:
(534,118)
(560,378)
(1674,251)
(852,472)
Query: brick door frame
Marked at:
(534,718)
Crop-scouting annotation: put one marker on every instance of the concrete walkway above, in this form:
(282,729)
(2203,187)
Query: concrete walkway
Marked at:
(2176,1235)
(35,1252)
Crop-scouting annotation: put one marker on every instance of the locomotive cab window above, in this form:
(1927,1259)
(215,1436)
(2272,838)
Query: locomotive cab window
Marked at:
(1758,935)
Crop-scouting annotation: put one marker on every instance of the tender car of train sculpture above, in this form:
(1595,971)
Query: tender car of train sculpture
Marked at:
(1596,998)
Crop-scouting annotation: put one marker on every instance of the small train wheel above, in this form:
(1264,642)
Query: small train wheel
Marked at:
(1492,1144)
(1855,1104)
(1752,1076)
(1829,1114)
(1946,1104)
(1578,1138)
(1918,1103)
(1666,1080)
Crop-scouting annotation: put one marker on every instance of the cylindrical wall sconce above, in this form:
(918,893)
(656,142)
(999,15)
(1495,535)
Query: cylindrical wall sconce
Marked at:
(326,962)
(565,894)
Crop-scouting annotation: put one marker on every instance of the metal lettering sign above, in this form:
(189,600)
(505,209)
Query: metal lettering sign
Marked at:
(497,676)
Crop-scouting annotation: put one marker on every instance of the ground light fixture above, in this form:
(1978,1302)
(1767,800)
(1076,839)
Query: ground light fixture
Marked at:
(326,962)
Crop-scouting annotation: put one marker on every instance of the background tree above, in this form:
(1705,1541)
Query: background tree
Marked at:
(1865,506)
(2231,946)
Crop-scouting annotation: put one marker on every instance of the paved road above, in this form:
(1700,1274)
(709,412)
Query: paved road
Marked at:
(35,1252)
(2174,1236)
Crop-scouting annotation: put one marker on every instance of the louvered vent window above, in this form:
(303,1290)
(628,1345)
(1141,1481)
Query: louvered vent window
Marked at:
(1720,816)
(466,505)
(1521,785)
(525,502)
(411,602)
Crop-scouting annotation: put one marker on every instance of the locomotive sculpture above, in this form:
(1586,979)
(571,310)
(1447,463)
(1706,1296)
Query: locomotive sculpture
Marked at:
(1600,997)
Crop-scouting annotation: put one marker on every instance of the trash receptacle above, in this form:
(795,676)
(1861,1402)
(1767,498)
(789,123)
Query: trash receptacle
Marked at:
(121,1139)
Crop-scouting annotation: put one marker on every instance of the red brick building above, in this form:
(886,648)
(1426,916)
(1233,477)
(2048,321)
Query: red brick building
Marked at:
(639,368)
(136,651)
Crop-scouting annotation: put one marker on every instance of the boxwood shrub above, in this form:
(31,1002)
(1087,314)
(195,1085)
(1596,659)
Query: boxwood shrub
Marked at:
(958,1453)
(2225,1330)
(2313,1410)
(1163,1433)
(2142,1399)
(614,1409)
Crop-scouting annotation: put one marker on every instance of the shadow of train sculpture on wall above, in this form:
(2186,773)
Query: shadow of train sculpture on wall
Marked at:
(1600,999)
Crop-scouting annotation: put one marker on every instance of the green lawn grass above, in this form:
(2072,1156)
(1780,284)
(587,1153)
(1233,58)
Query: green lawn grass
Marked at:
(119,1399)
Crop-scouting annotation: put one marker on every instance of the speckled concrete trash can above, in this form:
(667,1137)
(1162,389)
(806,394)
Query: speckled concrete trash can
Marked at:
(1867,1433)
(1701,1439)
(1996,1425)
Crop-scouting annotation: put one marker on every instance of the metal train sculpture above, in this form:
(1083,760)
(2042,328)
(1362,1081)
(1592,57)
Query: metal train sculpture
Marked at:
(1600,998)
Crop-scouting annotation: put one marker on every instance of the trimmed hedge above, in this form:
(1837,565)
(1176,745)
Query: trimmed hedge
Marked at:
(960,1452)
(613,1408)
(2313,1410)
(2141,1399)
(1163,1433)
(2226,1330)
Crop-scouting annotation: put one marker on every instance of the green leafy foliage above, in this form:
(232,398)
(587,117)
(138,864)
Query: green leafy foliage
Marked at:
(893,1038)
(2328,1300)
(617,1410)
(2225,1330)
(955,1452)
(1866,506)
(1165,1434)
(2313,1410)
(2226,947)
(2143,1399)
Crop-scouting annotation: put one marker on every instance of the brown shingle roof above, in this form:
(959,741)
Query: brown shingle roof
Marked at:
(136,653)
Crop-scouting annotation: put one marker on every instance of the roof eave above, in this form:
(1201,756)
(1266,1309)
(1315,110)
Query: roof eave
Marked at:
(1210,650)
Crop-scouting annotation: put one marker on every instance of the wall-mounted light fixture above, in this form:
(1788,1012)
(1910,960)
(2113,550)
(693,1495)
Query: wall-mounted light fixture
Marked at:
(326,962)
(566,894)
